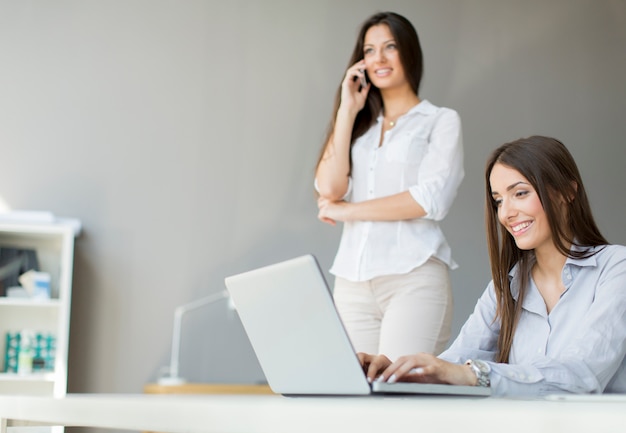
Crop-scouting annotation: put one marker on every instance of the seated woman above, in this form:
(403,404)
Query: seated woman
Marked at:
(553,319)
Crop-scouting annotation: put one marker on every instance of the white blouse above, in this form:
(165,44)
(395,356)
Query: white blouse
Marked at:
(422,154)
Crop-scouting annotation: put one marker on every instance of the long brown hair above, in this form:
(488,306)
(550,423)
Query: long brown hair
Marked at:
(550,168)
(410,52)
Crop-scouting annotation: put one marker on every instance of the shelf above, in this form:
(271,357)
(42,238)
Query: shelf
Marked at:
(53,244)
(60,225)
(30,377)
(25,302)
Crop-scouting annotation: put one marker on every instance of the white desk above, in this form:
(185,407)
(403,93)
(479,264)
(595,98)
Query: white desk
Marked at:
(277,414)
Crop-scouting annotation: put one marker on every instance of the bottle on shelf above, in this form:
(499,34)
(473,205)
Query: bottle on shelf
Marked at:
(25,356)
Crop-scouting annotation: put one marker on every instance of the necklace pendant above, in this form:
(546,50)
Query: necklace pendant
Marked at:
(392,123)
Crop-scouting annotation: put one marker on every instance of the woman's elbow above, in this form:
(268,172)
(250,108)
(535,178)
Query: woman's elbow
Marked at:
(331,194)
(331,191)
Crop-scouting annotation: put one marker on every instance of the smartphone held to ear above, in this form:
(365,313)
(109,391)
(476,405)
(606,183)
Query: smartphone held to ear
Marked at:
(363,79)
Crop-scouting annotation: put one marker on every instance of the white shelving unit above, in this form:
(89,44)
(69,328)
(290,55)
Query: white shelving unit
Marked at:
(54,245)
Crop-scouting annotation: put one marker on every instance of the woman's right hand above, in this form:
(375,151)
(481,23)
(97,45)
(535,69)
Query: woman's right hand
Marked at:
(353,95)
(334,166)
(420,367)
(373,365)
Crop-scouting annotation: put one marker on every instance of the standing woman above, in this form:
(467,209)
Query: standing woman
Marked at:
(389,170)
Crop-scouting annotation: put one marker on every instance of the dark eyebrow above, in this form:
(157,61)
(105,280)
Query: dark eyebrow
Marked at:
(510,187)
(385,42)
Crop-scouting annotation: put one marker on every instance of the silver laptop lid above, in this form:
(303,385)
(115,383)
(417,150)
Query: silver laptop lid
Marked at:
(289,316)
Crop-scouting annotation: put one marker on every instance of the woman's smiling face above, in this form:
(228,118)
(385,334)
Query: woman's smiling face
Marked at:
(519,208)
(382,58)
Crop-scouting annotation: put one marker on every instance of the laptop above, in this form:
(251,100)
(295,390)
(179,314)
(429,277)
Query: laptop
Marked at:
(288,313)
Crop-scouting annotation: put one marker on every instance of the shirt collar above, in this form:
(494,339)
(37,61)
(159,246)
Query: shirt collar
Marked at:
(571,261)
(588,261)
(423,107)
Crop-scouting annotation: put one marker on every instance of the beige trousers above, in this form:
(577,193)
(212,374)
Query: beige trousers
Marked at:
(398,314)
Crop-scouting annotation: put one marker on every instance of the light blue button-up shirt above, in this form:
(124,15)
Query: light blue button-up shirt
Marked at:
(580,347)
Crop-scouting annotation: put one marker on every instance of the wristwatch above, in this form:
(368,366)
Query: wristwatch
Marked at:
(481,370)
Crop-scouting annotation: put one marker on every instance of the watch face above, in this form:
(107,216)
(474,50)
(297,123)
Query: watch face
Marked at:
(482,366)
(482,370)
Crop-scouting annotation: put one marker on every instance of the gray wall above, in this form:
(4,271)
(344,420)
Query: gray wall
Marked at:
(183,134)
